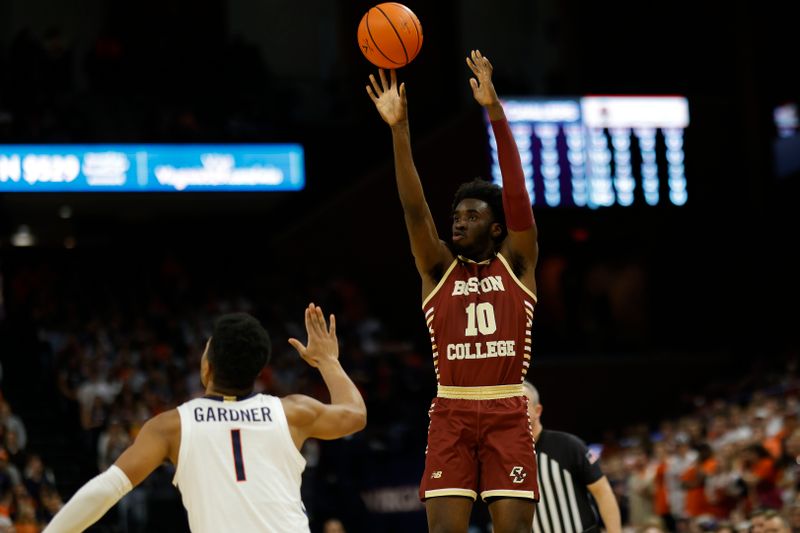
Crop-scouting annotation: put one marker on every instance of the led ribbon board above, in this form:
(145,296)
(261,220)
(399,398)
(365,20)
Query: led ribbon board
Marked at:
(151,167)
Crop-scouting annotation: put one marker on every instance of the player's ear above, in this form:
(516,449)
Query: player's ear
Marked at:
(539,410)
(496,230)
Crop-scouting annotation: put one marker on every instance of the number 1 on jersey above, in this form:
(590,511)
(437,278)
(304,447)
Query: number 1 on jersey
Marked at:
(483,314)
(238,459)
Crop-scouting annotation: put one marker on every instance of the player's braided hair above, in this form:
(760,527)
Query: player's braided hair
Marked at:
(490,193)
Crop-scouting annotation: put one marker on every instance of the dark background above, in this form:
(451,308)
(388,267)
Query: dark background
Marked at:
(719,287)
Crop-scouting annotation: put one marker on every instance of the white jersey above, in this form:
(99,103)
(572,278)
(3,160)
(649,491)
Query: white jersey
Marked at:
(238,468)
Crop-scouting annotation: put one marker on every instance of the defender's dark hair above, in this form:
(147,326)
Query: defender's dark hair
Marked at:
(480,189)
(239,349)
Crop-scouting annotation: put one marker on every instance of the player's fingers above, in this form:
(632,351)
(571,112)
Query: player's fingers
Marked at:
(473,83)
(313,320)
(384,83)
(471,65)
(488,63)
(307,317)
(332,329)
(403,91)
(478,54)
(372,94)
(299,346)
(374,83)
(313,323)
(393,78)
(320,318)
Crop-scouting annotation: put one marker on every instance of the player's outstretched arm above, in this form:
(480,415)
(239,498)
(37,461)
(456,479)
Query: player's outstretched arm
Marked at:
(522,232)
(346,414)
(429,251)
(153,446)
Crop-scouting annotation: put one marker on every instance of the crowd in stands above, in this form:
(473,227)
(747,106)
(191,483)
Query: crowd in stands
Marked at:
(29,496)
(716,468)
(116,359)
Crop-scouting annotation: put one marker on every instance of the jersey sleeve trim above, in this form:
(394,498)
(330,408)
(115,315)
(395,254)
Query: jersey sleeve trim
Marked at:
(183,448)
(515,278)
(439,285)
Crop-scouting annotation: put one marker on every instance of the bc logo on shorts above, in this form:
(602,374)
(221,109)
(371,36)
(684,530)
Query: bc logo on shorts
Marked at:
(519,474)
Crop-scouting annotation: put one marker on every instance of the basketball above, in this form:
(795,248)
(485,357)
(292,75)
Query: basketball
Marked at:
(390,35)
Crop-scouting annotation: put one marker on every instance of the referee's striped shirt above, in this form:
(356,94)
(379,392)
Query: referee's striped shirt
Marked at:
(566,467)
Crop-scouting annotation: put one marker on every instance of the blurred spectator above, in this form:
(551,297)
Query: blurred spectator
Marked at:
(13,424)
(16,455)
(760,475)
(640,489)
(9,480)
(51,503)
(725,527)
(26,521)
(653,525)
(758,519)
(9,474)
(94,395)
(660,491)
(38,480)
(694,482)
(775,523)
(333,525)
(793,515)
(679,461)
(789,465)
(112,442)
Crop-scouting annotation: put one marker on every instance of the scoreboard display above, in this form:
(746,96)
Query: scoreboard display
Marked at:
(599,151)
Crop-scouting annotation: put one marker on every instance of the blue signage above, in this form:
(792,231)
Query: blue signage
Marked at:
(151,167)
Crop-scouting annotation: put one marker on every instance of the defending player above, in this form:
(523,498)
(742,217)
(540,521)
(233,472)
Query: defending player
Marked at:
(478,294)
(236,452)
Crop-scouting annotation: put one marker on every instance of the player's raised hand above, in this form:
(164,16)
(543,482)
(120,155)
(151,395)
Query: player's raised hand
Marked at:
(389,99)
(323,345)
(482,86)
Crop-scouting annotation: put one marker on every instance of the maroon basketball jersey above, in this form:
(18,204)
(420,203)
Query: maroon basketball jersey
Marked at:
(479,317)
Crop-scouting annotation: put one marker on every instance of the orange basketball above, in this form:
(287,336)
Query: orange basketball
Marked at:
(390,35)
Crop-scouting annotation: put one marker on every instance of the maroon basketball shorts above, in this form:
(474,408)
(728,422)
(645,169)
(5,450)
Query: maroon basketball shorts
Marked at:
(480,447)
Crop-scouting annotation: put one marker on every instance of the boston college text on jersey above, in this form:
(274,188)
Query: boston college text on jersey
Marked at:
(479,318)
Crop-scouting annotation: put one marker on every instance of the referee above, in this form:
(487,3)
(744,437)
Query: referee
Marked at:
(568,473)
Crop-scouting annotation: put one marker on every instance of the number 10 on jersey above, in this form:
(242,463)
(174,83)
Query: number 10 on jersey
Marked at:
(480,318)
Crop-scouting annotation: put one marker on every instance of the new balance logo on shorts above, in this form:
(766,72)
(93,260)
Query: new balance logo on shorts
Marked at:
(518,473)
(436,475)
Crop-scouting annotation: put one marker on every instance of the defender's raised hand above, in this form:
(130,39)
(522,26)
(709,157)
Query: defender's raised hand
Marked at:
(482,86)
(388,98)
(323,345)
